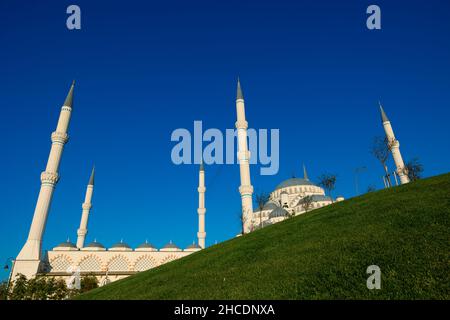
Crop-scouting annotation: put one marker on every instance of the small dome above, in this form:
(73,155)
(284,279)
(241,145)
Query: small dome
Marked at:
(66,244)
(146,245)
(294,182)
(278,212)
(319,197)
(170,245)
(95,244)
(194,246)
(120,244)
(268,206)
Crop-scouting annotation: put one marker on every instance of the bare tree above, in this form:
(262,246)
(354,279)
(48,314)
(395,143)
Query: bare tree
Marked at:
(307,203)
(328,181)
(414,169)
(242,221)
(380,149)
(290,212)
(261,199)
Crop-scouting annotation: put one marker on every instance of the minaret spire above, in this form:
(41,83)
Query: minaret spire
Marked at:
(69,99)
(239,94)
(91,179)
(246,188)
(384,117)
(394,145)
(86,206)
(201,207)
(305,174)
(28,261)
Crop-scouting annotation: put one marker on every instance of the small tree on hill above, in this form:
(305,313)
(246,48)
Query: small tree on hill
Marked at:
(242,220)
(307,203)
(380,149)
(414,169)
(261,200)
(19,288)
(328,182)
(4,290)
(38,288)
(88,283)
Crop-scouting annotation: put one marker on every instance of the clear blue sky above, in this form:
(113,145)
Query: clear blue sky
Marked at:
(144,68)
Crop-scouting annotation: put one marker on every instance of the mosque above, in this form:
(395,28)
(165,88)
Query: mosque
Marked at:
(120,260)
(288,199)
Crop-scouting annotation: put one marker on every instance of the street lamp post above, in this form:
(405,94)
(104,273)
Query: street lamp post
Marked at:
(6,268)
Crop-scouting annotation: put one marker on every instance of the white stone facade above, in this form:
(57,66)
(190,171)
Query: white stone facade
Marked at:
(108,265)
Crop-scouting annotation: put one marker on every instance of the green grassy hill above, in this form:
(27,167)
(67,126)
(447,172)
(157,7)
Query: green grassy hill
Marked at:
(319,255)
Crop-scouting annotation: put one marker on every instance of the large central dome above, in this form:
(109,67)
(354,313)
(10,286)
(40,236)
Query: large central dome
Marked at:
(294,182)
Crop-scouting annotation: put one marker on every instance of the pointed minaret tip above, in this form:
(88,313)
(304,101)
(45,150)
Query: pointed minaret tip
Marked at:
(91,179)
(201,166)
(384,118)
(69,99)
(305,174)
(239,94)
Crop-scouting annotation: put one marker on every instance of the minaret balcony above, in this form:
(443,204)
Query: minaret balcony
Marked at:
(49,178)
(86,206)
(241,124)
(246,190)
(60,137)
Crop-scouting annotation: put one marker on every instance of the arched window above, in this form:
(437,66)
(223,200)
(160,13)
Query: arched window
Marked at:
(60,263)
(168,259)
(118,263)
(91,263)
(144,263)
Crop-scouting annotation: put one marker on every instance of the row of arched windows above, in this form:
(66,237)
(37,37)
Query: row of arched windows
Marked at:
(119,263)
(292,190)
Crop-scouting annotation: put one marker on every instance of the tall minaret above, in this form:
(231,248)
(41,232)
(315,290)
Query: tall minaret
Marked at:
(87,205)
(201,207)
(395,147)
(29,258)
(246,188)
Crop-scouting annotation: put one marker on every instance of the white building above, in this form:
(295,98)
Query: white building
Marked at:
(288,199)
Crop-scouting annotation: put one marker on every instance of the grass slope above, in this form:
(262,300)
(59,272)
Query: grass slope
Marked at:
(319,255)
